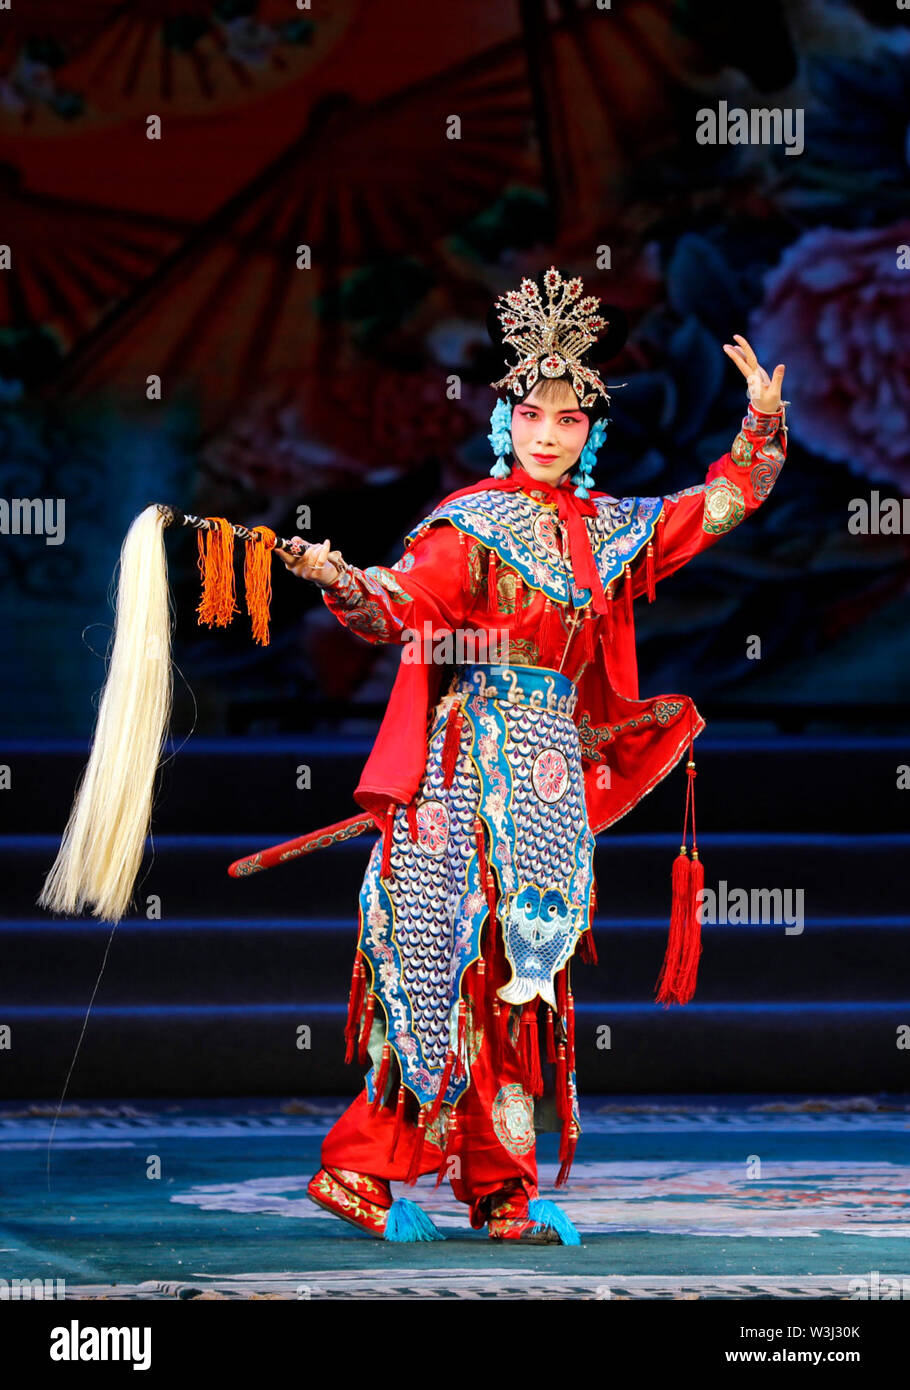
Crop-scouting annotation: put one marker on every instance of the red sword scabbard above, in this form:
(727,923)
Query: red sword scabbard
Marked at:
(304,844)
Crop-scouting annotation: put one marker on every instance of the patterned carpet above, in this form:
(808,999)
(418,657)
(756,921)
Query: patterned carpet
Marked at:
(700,1197)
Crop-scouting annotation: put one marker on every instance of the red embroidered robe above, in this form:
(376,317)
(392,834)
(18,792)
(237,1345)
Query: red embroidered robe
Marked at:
(448,580)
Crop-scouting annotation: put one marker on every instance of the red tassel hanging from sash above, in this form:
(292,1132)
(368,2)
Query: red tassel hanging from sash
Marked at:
(385,870)
(496,1041)
(692,943)
(417,1156)
(381,1078)
(399,1120)
(561,1081)
(492,583)
(551,1039)
(460,1069)
(530,1050)
(589,623)
(355,1007)
(666,982)
(568,1128)
(678,976)
(362,1051)
(451,1136)
(649,571)
(444,1080)
(562,1055)
(627,590)
(552,629)
(659,532)
(606,636)
(587,948)
(411,813)
(570,1031)
(452,742)
(454,1064)
(481,969)
(688,970)
(568,1142)
(510,1027)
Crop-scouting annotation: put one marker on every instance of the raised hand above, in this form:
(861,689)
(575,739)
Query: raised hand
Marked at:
(764,391)
(313,563)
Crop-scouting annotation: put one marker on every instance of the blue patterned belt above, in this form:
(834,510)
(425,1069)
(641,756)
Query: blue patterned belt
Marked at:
(536,686)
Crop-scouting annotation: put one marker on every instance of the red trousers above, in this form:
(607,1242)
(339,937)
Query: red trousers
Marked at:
(494,1143)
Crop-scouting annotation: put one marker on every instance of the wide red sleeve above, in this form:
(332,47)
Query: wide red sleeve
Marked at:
(426,585)
(735,486)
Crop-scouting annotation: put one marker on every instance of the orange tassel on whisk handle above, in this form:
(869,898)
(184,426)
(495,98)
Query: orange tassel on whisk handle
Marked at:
(257,579)
(216,565)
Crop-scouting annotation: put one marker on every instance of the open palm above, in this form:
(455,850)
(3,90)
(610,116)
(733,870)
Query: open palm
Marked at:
(764,391)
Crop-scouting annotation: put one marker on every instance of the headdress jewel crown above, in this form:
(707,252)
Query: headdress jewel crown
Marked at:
(551,337)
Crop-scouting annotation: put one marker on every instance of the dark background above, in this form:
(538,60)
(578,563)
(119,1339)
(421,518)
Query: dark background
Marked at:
(327,386)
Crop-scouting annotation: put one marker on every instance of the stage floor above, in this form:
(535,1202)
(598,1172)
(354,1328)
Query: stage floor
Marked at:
(674,1197)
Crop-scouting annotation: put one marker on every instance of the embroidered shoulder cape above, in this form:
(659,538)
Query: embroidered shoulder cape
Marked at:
(511,543)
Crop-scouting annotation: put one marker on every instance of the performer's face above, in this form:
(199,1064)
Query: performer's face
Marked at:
(549,431)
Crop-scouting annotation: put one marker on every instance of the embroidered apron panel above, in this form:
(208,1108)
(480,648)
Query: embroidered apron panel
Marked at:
(519,769)
(527,751)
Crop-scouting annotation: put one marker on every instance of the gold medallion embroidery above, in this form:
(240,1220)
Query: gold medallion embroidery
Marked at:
(725,507)
(513,1118)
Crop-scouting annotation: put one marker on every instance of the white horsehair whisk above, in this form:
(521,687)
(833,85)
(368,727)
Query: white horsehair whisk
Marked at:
(101,851)
(102,846)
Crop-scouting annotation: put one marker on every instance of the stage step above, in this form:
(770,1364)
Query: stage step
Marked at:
(261,961)
(187,1050)
(236,787)
(210,998)
(839,875)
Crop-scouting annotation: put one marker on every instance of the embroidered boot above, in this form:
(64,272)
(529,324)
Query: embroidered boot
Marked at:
(366,1202)
(533,1222)
(509,1219)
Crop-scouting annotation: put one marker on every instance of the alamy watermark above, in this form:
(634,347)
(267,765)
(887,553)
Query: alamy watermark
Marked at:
(27,1290)
(78,1343)
(875,1285)
(34,516)
(759,125)
(744,906)
(875,516)
(460,646)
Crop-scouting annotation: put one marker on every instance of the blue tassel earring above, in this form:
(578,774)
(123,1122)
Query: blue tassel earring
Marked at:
(501,438)
(584,477)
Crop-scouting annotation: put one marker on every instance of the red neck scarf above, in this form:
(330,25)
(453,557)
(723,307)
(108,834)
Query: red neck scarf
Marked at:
(570,509)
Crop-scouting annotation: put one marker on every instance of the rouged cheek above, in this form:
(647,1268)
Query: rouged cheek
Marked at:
(573,441)
(570,438)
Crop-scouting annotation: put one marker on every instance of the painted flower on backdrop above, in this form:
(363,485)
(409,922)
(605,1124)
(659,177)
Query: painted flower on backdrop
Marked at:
(837,309)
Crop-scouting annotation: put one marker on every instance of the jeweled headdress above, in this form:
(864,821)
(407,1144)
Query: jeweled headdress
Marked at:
(551,337)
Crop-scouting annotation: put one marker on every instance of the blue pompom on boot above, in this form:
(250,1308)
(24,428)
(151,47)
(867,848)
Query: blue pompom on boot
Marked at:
(548,1216)
(407,1221)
